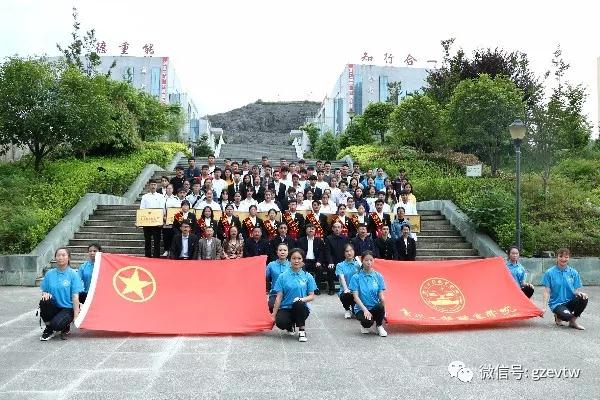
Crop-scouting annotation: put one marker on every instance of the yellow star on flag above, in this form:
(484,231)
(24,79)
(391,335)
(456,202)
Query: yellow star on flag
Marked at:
(134,284)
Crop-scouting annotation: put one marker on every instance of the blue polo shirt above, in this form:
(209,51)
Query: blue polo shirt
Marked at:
(368,287)
(62,286)
(85,272)
(274,269)
(379,183)
(294,284)
(348,269)
(517,271)
(562,285)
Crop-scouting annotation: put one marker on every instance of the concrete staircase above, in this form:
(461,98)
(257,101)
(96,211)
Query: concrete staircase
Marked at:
(254,151)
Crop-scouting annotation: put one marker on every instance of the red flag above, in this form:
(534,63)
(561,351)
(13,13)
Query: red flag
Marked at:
(151,295)
(462,292)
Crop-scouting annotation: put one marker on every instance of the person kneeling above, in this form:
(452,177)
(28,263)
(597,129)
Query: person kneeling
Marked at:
(367,287)
(345,270)
(561,289)
(59,305)
(295,287)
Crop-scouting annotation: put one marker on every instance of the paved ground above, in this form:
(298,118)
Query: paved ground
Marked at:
(336,363)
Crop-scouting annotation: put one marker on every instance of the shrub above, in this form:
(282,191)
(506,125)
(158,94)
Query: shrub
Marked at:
(31,204)
(327,147)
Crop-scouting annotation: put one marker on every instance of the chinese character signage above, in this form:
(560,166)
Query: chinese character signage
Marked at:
(124,47)
(164,80)
(351,87)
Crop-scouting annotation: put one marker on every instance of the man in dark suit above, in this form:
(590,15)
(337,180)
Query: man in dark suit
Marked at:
(314,248)
(363,242)
(378,219)
(282,237)
(386,246)
(317,192)
(185,245)
(406,245)
(259,190)
(255,245)
(178,179)
(334,253)
(225,223)
(236,186)
(278,188)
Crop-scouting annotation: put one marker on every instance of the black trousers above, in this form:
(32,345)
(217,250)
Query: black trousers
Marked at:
(297,315)
(330,277)
(58,318)
(377,313)
(82,297)
(571,309)
(347,300)
(310,266)
(271,301)
(527,291)
(167,234)
(152,233)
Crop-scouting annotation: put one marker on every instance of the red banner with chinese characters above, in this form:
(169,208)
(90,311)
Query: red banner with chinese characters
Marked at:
(453,292)
(191,297)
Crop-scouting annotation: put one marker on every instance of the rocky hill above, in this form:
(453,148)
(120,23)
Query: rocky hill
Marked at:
(264,122)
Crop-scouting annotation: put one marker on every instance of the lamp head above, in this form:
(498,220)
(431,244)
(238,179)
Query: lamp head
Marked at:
(517,130)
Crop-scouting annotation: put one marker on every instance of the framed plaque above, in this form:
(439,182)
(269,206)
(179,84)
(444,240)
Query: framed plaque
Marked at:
(149,217)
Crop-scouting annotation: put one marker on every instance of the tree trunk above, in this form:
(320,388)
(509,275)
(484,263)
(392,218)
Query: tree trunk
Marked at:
(37,163)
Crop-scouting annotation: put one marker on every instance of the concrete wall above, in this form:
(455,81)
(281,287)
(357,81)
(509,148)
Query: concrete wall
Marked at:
(588,268)
(24,269)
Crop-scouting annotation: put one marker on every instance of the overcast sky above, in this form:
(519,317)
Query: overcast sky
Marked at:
(230,53)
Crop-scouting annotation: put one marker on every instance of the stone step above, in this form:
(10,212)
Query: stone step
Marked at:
(117,207)
(117,216)
(446,252)
(110,229)
(441,245)
(116,212)
(121,223)
(92,236)
(440,239)
(109,249)
(109,242)
(439,232)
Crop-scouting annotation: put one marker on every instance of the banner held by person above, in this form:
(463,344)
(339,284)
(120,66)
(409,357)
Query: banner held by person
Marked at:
(452,292)
(156,296)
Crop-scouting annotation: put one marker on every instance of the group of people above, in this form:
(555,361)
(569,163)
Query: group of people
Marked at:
(289,199)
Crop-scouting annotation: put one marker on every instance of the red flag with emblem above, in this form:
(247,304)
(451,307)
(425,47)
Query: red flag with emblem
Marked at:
(457,292)
(192,297)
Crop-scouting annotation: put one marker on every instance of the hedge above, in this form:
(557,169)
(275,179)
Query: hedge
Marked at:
(30,204)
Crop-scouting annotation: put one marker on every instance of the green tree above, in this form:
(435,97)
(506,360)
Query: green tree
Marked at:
(457,67)
(355,134)
(375,118)
(312,131)
(417,122)
(479,113)
(85,109)
(327,147)
(559,125)
(29,101)
(81,52)
(394,89)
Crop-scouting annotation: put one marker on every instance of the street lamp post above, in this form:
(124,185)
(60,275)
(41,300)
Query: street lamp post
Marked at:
(517,132)
(351,115)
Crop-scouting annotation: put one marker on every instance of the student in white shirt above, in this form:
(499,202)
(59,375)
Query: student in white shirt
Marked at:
(218,184)
(209,202)
(196,197)
(248,201)
(409,208)
(327,207)
(152,199)
(268,203)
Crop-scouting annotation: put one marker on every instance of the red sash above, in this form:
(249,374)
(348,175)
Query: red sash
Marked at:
(318,228)
(202,226)
(378,224)
(293,228)
(248,225)
(271,230)
(226,226)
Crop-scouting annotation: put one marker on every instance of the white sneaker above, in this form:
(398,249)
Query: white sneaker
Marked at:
(381,331)
(292,332)
(364,330)
(302,336)
(348,314)
(165,254)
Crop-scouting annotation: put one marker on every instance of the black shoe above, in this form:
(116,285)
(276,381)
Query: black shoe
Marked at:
(65,332)
(47,334)
(331,292)
(317,292)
